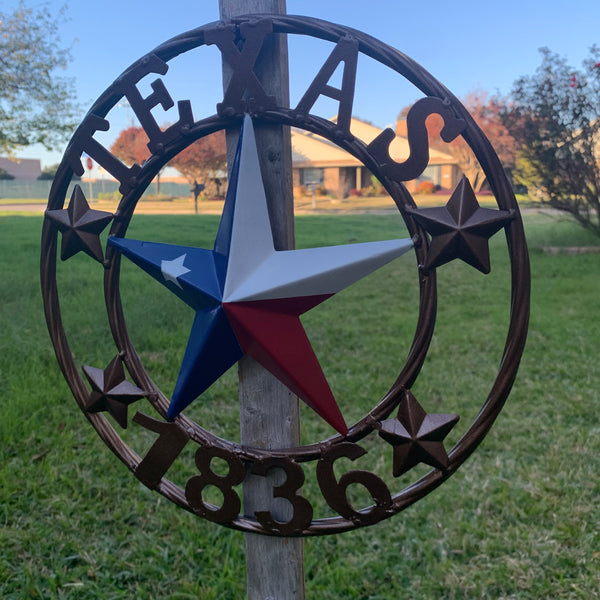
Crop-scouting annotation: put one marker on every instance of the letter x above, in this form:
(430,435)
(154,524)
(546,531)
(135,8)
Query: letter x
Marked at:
(242,62)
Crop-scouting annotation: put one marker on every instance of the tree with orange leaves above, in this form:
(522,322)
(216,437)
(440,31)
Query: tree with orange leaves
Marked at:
(131,146)
(203,161)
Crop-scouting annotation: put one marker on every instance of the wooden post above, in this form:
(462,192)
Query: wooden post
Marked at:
(269,414)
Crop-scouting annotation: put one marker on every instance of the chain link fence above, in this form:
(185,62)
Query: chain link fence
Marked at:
(100,188)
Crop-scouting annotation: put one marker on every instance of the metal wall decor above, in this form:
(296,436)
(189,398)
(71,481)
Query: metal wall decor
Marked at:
(234,313)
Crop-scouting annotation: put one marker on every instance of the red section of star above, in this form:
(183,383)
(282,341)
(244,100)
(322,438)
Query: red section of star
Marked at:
(270,331)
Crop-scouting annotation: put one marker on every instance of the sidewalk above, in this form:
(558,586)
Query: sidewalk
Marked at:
(182,206)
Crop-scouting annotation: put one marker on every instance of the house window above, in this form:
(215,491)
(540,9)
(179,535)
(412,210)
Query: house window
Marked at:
(312,175)
(432,173)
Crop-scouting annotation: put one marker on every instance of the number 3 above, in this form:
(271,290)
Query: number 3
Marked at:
(294,479)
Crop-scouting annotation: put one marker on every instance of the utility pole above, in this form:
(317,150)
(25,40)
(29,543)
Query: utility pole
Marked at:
(269,413)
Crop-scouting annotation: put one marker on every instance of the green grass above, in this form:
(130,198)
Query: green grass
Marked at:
(520,520)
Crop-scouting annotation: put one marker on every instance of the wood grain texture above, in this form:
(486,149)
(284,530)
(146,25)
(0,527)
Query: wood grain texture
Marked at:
(269,414)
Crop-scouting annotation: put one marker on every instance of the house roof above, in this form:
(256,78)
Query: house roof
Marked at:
(22,168)
(310,150)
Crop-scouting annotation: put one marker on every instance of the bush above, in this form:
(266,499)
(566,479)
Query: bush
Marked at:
(108,195)
(374,191)
(307,190)
(355,193)
(376,188)
(48,173)
(426,187)
(157,198)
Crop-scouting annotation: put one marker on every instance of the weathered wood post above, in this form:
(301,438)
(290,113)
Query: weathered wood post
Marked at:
(269,415)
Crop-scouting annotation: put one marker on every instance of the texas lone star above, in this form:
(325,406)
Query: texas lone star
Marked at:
(248,297)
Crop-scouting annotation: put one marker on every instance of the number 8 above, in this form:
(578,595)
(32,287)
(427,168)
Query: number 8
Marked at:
(195,485)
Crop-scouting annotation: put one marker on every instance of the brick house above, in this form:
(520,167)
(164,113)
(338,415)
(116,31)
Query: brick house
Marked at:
(317,161)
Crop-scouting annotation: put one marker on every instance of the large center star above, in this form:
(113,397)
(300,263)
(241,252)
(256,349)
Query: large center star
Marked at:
(248,297)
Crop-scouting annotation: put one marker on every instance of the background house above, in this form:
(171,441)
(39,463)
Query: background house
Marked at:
(26,169)
(317,161)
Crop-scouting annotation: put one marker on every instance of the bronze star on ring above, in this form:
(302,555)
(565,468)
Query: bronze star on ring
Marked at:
(80,226)
(461,229)
(111,391)
(417,436)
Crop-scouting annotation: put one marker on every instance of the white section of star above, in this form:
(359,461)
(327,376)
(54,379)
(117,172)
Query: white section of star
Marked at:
(256,271)
(172,269)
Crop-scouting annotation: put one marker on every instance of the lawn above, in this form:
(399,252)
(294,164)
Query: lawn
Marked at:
(520,519)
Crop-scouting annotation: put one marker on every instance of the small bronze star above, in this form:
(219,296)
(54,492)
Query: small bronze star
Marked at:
(461,229)
(111,391)
(80,226)
(417,436)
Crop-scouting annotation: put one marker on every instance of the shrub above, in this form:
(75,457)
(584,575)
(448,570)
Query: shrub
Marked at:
(369,191)
(108,195)
(425,187)
(355,193)
(376,188)
(157,197)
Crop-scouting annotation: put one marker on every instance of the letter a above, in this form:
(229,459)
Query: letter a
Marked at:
(345,51)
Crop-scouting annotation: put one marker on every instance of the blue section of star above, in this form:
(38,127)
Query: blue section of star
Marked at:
(200,287)
(212,349)
(198,278)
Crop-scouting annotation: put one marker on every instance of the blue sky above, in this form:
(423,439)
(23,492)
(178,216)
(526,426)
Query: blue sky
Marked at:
(465,44)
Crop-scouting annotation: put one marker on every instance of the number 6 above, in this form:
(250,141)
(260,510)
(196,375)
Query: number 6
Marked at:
(335,492)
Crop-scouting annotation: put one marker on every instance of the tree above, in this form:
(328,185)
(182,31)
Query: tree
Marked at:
(132,147)
(203,160)
(36,104)
(554,115)
(49,172)
(487,112)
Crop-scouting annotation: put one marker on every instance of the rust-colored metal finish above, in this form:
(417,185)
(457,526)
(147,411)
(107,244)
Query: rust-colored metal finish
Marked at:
(80,226)
(417,436)
(459,230)
(111,392)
